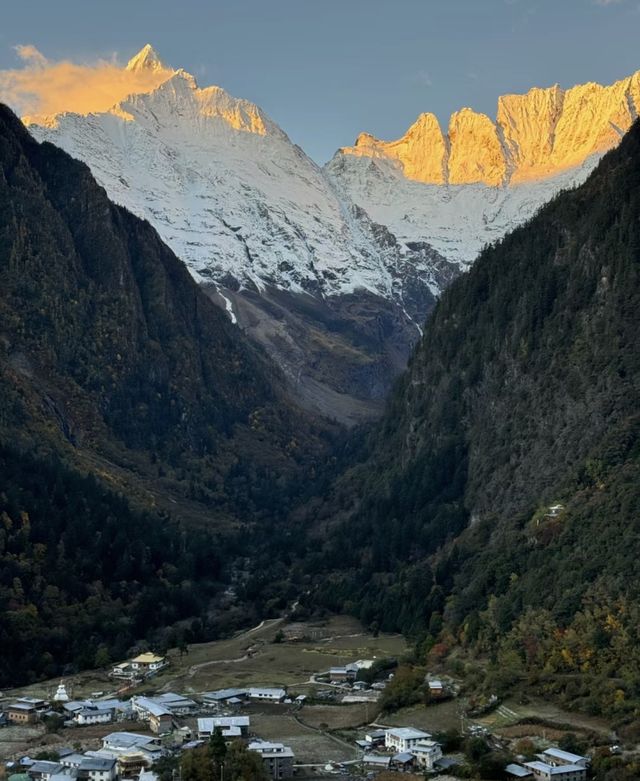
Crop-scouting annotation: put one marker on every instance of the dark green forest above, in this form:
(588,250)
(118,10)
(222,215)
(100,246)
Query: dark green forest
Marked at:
(523,393)
(84,576)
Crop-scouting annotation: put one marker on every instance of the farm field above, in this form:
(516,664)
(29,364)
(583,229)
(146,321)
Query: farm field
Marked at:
(430,718)
(510,713)
(251,658)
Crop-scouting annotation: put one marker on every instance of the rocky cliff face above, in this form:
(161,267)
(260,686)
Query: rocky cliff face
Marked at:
(535,136)
(468,187)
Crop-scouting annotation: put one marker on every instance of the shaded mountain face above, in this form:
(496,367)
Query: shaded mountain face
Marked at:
(112,355)
(523,393)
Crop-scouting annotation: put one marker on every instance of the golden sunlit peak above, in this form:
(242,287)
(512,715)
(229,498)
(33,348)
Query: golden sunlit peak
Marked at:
(146,59)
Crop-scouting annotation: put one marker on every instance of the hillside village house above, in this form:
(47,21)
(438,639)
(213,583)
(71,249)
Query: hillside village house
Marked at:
(123,670)
(436,689)
(517,772)
(556,756)
(403,739)
(176,703)
(427,753)
(94,715)
(277,758)
(22,713)
(273,695)
(229,726)
(133,752)
(160,718)
(43,770)
(222,697)
(91,768)
(148,663)
(542,771)
(341,674)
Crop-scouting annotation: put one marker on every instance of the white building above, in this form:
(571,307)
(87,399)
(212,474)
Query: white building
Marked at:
(556,756)
(148,663)
(427,753)
(542,771)
(401,739)
(97,769)
(93,715)
(229,726)
(274,695)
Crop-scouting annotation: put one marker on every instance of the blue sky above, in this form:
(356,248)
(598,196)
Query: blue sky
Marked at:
(327,70)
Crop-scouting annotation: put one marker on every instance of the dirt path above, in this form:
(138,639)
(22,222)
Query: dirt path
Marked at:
(191,671)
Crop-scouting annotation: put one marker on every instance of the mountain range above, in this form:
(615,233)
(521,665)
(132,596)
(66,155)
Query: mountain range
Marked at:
(333,270)
(493,508)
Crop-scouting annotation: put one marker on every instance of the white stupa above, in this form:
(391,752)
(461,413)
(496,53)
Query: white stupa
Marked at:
(61,693)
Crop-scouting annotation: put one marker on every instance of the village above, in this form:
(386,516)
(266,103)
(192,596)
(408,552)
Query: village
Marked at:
(130,730)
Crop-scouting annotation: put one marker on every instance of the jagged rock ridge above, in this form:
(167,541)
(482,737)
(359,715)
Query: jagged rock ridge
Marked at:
(536,135)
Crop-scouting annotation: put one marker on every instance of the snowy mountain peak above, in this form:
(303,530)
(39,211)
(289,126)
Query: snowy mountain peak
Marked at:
(146,59)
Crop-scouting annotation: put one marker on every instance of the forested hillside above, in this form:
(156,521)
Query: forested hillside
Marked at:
(110,352)
(121,379)
(83,576)
(523,393)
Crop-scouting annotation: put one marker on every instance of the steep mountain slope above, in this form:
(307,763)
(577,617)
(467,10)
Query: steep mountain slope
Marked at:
(461,190)
(111,355)
(257,222)
(523,393)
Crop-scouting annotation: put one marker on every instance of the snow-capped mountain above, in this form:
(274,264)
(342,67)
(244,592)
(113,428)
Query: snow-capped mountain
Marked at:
(334,296)
(333,270)
(461,190)
(228,191)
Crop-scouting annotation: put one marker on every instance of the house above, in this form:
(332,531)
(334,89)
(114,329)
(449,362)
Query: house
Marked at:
(38,703)
(376,760)
(148,663)
(342,674)
(274,695)
(94,715)
(229,726)
(133,752)
(375,737)
(176,703)
(403,761)
(123,670)
(126,741)
(542,771)
(427,753)
(555,756)
(97,769)
(401,739)
(436,689)
(42,770)
(160,718)
(224,696)
(517,771)
(22,713)
(277,758)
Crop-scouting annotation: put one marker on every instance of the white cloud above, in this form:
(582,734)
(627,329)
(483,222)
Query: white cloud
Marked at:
(42,86)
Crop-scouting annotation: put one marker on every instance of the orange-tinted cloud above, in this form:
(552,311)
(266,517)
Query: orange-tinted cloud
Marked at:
(44,87)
